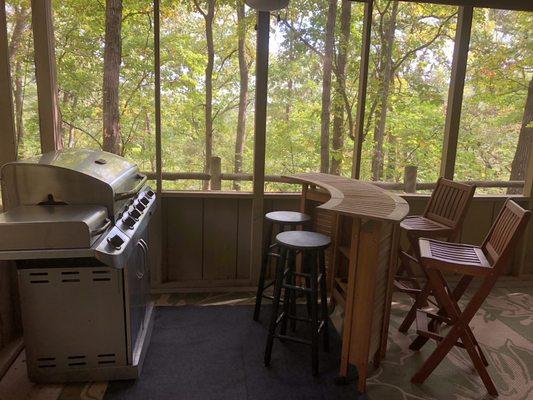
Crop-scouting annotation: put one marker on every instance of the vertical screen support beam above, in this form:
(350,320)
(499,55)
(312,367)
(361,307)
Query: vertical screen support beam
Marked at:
(528,186)
(45,74)
(157,95)
(363,84)
(8,141)
(455,91)
(261,99)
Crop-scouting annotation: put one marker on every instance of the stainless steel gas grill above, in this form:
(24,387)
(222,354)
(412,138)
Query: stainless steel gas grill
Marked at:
(76,223)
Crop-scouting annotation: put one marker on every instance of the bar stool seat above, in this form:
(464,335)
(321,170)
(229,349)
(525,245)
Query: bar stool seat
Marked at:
(303,240)
(282,220)
(287,217)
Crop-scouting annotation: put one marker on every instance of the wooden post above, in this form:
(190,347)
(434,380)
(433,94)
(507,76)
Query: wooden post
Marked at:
(455,91)
(409,178)
(261,98)
(361,97)
(45,75)
(8,139)
(216,173)
(157,96)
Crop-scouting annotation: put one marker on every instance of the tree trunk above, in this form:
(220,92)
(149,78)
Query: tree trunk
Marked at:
(20,26)
(290,82)
(18,95)
(208,17)
(326,86)
(525,139)
(112,60)
(386,77)
(243,94)
(338,106)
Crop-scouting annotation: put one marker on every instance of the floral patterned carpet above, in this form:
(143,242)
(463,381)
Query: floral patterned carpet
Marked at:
(503,326)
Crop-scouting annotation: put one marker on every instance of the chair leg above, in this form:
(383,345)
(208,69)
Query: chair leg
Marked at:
(459,329)
(314,315)
(420,300)
(262,272)
(324,300)
(275,307)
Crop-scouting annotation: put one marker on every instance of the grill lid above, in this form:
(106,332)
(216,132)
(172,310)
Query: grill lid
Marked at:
(106,167)
(71,176)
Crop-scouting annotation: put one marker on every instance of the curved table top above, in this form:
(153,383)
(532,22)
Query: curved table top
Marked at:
(356,198)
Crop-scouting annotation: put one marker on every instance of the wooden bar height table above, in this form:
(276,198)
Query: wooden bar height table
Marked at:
(363,221)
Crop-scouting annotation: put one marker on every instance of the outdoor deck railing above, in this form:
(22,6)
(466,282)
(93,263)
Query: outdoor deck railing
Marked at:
(409,184)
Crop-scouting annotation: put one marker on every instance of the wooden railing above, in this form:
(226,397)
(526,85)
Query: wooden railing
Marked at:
(409,184)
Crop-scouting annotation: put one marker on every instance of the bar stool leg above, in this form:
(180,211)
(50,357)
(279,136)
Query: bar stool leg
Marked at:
(292,293)
(314,314)
(264,264)
(324,300)
(288,292)
(275,307)
(305,269)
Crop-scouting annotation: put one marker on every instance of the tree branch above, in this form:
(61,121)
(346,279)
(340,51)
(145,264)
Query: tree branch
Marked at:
(422,46)
(303,39)
(93,137)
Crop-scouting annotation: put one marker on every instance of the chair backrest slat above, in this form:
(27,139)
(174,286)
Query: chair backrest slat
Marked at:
(504,234)
(449,203)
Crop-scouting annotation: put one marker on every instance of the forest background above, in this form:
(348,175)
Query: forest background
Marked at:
(105,62)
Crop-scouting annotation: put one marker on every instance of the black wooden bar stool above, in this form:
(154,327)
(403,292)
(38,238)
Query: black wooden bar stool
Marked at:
(282,220)
(312,246)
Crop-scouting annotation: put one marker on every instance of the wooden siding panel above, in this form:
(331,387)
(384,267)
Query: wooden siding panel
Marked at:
(244,239)
(220,238)
(183,238)
(477,222)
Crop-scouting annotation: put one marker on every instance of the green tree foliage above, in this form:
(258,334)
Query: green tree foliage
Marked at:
(413,111)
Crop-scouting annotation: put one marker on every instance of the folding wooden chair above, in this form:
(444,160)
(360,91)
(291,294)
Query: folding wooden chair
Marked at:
(442,219)
(487,262)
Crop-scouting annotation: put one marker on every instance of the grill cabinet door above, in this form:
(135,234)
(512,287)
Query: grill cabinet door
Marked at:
(73,318)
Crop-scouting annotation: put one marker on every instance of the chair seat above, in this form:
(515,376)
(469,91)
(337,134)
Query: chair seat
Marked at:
(420,226)
(287,217)
(454,257)
(303,240)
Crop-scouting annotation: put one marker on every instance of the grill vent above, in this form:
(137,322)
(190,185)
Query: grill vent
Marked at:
(101,275)
(76,361)
(106,359)
(40,277)
(46,362)
(70,276)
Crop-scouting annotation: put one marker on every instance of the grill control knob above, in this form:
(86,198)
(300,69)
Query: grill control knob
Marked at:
(135,214)
(129,221)
(150,193)
(115,241)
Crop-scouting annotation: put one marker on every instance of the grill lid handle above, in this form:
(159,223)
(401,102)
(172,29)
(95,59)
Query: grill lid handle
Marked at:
(102,229)
(134,191)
